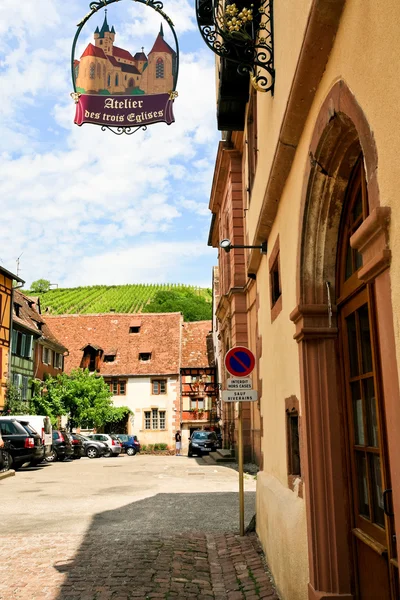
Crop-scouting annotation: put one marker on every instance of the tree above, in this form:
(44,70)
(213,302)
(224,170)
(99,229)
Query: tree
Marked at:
(192,306)
(40,286)
(14,403)
(82,395)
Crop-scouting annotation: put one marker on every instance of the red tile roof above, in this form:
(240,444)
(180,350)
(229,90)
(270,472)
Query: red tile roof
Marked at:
(140,56)
(93,51)
(159,334)
(160,45)
(113,61)
(194,344)
(129,68)
(121,53)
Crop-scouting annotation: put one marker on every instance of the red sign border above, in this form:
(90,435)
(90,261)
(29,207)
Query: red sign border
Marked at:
(252,361)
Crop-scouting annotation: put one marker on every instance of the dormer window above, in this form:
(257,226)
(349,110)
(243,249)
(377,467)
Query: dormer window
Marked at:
(135,329)
(39,325)
(91,357)
(145,356)
(109,358)
(17,308)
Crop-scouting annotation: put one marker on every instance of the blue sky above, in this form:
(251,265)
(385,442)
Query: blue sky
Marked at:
(86,207)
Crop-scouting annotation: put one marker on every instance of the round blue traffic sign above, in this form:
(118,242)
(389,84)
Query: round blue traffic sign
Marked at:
(239,361)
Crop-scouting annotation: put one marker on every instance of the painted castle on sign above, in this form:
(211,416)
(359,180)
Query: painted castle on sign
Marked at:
(104,69)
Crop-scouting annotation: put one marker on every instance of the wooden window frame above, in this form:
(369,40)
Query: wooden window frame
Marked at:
(150,411)
(292,409)
(110,381)
(274,266)
(159,381)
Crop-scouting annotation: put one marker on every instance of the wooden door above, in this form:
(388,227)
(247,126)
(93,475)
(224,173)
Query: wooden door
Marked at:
(372,526)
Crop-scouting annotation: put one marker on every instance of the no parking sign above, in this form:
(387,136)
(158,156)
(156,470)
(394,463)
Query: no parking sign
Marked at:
(239,361)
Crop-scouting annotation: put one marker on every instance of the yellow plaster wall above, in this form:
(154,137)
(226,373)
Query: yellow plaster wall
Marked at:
(365,56)
(290,19)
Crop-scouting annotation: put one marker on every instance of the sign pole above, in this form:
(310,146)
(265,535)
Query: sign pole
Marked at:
(241,483)
(239,362)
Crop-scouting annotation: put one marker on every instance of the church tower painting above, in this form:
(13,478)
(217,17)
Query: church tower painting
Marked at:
(105,69)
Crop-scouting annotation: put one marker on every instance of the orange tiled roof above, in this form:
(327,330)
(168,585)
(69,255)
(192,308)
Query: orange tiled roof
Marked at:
(159,334)
(194,344)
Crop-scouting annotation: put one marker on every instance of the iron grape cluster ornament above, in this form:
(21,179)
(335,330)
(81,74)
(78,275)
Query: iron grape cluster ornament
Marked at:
(124,89)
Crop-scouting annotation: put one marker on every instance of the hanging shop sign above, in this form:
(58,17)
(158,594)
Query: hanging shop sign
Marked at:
(124,89)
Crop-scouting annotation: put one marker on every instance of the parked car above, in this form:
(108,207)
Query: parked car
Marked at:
(202,442)
(91,448)
(77,446)
(23,446)
(42,425)
(114,445)
(130,443)
(62,446)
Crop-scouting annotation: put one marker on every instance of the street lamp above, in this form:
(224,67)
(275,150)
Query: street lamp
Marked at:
(228,246)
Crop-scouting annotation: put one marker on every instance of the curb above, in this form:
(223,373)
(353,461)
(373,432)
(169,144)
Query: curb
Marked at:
(5,474)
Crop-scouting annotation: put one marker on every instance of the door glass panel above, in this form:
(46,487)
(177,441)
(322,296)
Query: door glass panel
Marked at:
(359,436)
(370,407)
(357,208)
(365,339)
(352,337)
(359,261)
(377,495)
(349,263)
(361,468)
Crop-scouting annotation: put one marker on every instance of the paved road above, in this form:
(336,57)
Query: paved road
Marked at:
(128,527)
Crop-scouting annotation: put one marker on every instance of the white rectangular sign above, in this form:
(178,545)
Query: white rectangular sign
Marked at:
(237,383)
(239,395)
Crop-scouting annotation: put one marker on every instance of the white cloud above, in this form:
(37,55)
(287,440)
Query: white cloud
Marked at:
(147,263)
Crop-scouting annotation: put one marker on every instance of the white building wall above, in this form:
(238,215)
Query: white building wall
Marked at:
(139,398)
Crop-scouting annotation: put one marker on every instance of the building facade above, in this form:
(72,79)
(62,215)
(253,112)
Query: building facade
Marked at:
(6,308)
(139,357)
(318,168)
(36,352)
(199,385)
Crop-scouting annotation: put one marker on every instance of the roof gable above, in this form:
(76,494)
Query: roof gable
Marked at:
(93,51)
(160,45)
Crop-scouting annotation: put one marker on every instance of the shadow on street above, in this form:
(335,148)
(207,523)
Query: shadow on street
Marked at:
(153,546)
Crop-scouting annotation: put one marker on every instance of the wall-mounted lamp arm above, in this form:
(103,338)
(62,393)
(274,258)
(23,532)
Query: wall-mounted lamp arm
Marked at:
(228,246)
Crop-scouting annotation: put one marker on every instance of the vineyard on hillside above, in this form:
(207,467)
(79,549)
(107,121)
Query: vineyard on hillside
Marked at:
(134,298)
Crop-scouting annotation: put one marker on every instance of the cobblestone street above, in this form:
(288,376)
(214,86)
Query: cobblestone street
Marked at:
(107,540)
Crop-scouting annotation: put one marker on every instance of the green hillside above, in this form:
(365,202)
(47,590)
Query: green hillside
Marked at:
(195,303)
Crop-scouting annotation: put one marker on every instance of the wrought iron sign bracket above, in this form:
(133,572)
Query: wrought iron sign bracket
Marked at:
(241,33)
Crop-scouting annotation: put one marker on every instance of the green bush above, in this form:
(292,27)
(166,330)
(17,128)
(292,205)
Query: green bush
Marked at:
(156,447)
(163,446)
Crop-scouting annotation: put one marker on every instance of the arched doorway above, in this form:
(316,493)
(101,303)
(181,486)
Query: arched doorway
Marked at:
(372,531)
(339,548)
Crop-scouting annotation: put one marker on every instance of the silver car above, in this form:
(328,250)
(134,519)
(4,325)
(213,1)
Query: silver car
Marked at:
(114,447)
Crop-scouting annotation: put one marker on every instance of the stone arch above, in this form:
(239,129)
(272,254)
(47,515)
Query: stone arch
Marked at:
(341,133)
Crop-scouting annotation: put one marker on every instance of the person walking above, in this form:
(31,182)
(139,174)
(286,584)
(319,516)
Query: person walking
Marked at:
(178,443)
